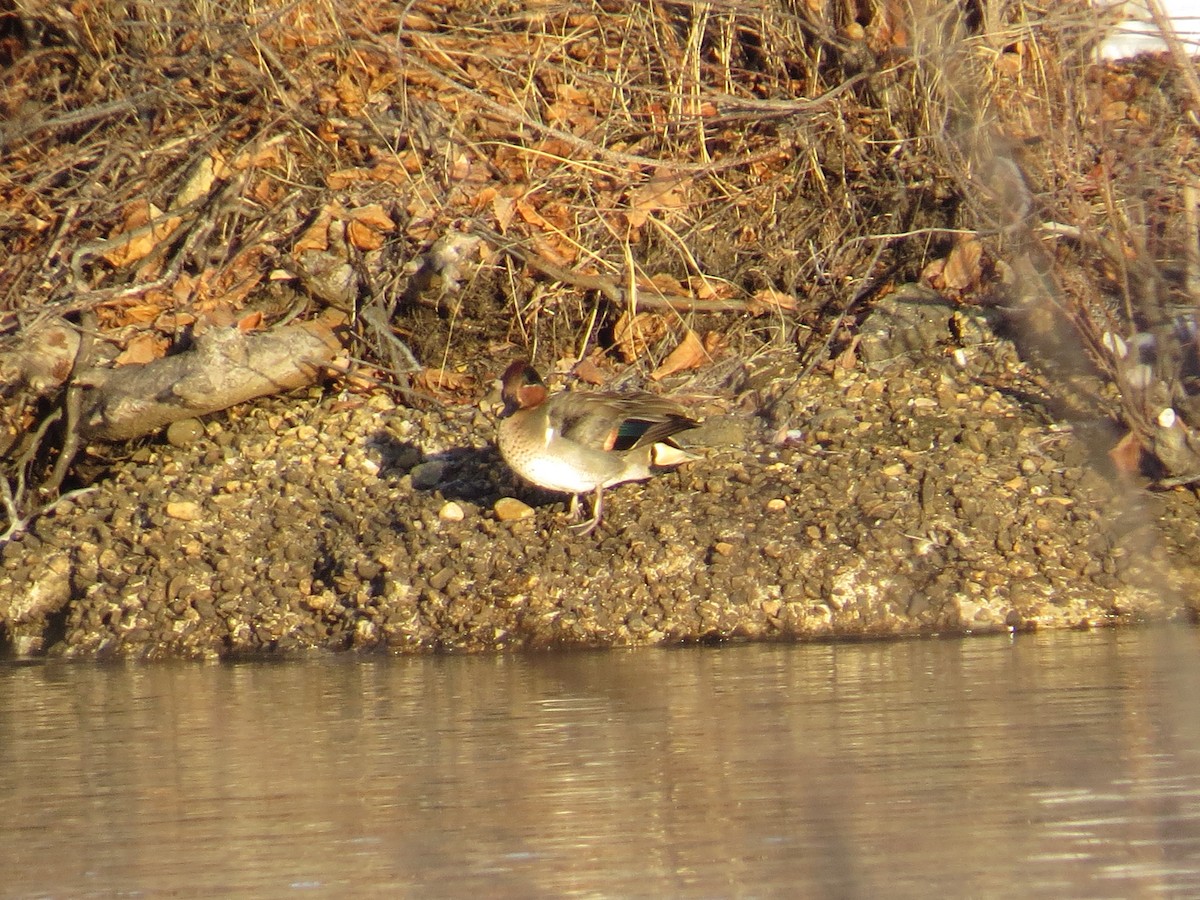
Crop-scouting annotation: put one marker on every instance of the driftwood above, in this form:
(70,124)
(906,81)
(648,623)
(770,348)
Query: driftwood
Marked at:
(33,365)
(224,368)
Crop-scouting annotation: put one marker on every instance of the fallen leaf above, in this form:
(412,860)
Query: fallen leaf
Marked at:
(666,191)
(132,240)
(141,349)
(363,237)
(199,183)
(634,334)
(932,273)
(250,322)
(526,211)
(442,381)
(367,226)
(713,341)
(662,283)
(316,235)
(703,288)
(268,154)
(373,216)
(352,96)
(588,372)
(848,358)
(503,208)
(688,354)
(964,266)
(343,178)
(1127,454)
(769,299)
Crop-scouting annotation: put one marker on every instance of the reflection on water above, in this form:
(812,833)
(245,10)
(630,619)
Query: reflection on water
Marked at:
(1038,766)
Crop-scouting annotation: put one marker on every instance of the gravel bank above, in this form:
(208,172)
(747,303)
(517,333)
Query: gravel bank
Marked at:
(928,494)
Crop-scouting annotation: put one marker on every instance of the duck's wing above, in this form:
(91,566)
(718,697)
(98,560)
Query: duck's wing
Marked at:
(616,422)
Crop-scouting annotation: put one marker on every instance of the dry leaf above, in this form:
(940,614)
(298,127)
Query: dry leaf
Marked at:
(147,309)
(703,288)
(460,168)
(250,322)
(526,211)
(141,349)
(689,354)
(666,191)
(964,266)
(848,358)
(932,273)
(268,191)
(442,381)
(138,240)
(769,299)
(199,183)
(363,237)
(662,283)
(265,155)
(351,94)
(316,235)
(343,178)
(373,216)
(588,372)
(713,341)
(556,250)
(633,335)
(503,208)
(1127,454)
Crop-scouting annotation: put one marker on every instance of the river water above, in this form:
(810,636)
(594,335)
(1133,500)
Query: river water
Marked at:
(1056,766)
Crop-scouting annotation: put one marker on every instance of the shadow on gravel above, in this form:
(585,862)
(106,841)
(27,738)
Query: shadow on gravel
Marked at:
(473,474)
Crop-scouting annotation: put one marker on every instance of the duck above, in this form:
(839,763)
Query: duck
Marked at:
(581,442)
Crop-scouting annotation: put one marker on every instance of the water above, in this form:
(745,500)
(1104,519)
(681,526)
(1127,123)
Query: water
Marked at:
(1054,766)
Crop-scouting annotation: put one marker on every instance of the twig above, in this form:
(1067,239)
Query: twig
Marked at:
(31,450)
(20,524)
(616,157)
(21,129)
(73,404)
(615,294)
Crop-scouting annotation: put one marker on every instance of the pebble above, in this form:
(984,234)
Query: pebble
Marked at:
(184,510)
(185,432)
(452,512)
(428,475)
(510,509)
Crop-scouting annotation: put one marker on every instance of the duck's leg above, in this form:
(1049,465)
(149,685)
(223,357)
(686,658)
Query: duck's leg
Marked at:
(597,509)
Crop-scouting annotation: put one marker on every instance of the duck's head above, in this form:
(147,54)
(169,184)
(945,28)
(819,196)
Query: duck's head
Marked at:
(521,387)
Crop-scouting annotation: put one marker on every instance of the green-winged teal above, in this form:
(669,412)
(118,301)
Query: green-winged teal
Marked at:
(580,442)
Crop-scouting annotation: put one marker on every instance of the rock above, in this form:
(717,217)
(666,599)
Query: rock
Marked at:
(49,590)
(428,475)
(451,512)
(184,510)
(510,509)
(185,432)
(913,320)
(716,431)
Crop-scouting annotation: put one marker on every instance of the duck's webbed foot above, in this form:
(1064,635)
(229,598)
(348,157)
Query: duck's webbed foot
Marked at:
(583,528)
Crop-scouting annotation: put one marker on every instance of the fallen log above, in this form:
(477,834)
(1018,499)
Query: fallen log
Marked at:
(225,367)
